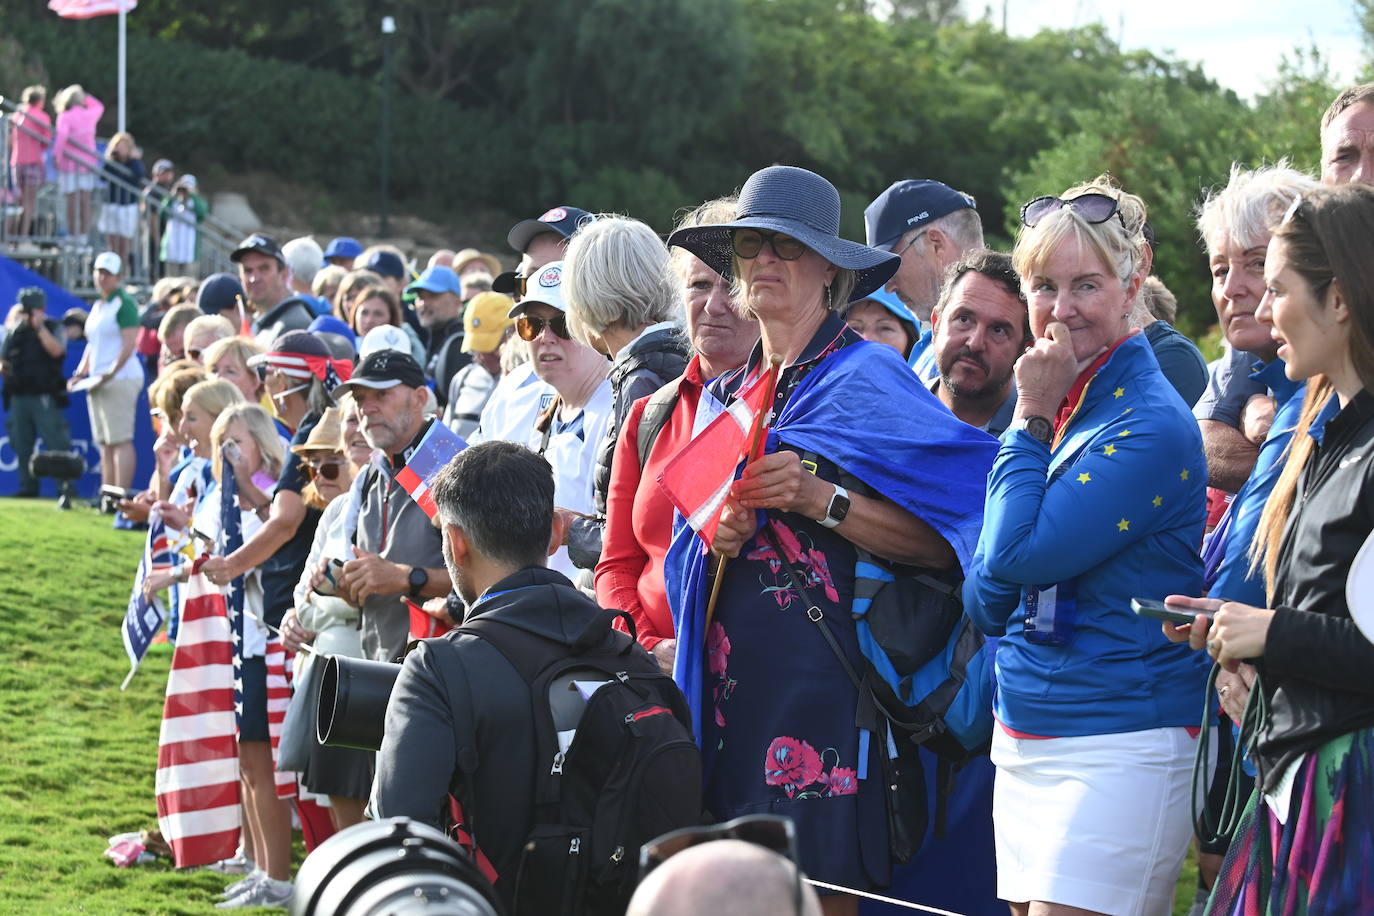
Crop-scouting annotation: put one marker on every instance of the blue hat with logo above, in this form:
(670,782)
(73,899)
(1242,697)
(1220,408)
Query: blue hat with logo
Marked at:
(437,279)
(795,202)
(562,220)
(910,204)
(343,247)
(890,302)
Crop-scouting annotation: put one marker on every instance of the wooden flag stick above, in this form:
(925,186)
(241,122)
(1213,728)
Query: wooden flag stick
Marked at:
(755,444)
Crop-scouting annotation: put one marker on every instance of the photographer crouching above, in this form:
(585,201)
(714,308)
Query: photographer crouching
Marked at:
(35,394)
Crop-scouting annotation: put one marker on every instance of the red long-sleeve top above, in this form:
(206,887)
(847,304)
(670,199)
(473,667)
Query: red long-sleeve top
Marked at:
(639,517)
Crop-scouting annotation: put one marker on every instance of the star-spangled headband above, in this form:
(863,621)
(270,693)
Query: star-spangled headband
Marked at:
(299,365)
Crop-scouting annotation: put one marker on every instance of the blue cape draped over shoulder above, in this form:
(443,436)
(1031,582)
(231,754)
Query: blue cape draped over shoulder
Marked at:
(863,409)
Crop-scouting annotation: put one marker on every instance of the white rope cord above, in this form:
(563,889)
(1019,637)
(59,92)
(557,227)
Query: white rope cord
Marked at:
(881,898)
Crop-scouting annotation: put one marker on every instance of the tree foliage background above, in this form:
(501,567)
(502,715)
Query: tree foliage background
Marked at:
(650,106)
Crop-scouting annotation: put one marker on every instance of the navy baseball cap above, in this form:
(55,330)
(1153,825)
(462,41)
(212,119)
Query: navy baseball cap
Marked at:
(562,220)
(385,263)
(910,204)
(261,244)
(343,247)
(218,293)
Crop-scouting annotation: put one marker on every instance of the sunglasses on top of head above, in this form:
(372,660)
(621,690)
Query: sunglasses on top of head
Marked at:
(529,327)
(747,243)
(1093,208)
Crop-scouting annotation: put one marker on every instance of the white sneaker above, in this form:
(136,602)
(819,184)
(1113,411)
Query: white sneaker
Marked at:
(237,865)
(243,885)
(267,892)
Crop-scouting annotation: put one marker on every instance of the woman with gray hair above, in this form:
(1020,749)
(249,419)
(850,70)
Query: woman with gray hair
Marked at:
(623,302)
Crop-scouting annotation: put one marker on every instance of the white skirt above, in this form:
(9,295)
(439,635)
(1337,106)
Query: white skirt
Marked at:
(1100,822)
(118,219)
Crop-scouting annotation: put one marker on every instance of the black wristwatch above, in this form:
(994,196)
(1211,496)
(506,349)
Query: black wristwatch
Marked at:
(838,508)
(418,580)
(1039,427)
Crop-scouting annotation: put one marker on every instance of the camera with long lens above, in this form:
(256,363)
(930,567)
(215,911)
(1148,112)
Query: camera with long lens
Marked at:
(397,866)
(353,697)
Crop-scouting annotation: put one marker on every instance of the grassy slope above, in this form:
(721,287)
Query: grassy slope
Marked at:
(76,754)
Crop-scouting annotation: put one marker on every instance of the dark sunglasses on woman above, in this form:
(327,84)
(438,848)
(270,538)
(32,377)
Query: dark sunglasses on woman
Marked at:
(1094,208)
(529,327)
(771,831)
(329,470)
(747,243)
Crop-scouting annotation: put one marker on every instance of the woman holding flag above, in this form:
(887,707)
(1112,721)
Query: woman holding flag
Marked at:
(858,456)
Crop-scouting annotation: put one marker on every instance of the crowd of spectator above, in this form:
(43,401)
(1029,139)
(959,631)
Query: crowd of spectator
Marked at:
(1028,425)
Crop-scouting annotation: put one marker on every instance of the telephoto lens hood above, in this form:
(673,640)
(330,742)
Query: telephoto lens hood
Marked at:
(397,866)
(353,698)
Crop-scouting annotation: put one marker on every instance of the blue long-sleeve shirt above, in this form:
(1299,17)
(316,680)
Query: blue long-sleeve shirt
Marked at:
(1232,580)
(1115,510)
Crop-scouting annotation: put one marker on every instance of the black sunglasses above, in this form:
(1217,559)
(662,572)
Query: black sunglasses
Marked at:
(329,470)
(1094,208)
(771,831)
(530,327)
(747,243)
(194,353)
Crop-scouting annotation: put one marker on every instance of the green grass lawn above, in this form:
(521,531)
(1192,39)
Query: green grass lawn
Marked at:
(76,754)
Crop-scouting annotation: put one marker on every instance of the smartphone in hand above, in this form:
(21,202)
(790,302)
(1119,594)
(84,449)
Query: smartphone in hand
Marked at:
(1158,610)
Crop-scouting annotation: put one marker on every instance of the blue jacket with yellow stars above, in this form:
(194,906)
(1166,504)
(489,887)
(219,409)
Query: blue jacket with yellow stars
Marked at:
(1114,511)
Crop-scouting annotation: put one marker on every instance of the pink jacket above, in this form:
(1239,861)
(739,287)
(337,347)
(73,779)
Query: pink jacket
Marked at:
(25,149)
(77,125)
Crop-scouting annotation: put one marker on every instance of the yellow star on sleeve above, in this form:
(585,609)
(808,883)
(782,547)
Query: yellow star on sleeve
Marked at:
(1158,501)
(1084,477)
(1183,474)
(1109,450)
(1123,525)
(1118,392)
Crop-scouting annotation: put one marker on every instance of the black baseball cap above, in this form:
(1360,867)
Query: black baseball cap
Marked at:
(383,369)
(561,220)
(32,299)
(260,243)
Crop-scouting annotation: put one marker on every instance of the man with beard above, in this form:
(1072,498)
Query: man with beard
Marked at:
(981,327)
(397,550)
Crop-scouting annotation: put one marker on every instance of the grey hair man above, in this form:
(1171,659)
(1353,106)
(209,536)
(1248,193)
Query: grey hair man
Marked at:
(929,225)
(1347,135)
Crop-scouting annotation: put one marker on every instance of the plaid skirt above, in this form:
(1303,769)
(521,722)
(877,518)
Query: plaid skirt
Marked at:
(1321,862)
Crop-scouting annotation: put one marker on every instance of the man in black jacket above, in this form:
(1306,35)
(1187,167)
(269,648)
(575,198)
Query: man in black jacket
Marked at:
(35,389)
(271,305)
(460,714)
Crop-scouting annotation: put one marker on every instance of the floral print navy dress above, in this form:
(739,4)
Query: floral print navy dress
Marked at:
(778,723)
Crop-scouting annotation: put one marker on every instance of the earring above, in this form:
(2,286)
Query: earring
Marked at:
(829,299)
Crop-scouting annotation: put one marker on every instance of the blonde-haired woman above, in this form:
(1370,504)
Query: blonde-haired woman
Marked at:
(1096,497)
(73,153)
(119,212)
(245,443)
(227,358)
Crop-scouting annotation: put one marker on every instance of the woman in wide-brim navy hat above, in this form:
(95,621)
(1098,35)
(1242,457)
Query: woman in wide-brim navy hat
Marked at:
(894,476)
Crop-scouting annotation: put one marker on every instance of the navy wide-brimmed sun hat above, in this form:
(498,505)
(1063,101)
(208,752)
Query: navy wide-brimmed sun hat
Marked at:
(795,202)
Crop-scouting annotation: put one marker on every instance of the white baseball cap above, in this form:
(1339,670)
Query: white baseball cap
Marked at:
(383,337)
(545,286)
(109,262)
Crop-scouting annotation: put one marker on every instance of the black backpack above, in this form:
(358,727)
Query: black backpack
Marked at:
(632,771)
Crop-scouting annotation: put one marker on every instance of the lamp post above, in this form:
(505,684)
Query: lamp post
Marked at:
(388,30)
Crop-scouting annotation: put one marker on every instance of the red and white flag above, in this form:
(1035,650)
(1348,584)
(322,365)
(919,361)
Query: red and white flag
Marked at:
(89,9)
(197,779)
(698,479)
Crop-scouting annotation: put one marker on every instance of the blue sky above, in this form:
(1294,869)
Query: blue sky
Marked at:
(1239,44)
